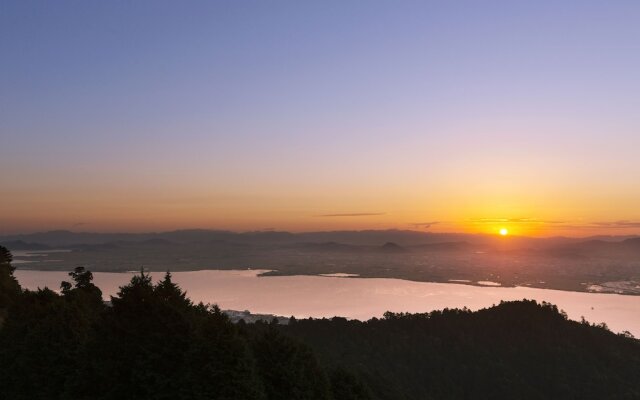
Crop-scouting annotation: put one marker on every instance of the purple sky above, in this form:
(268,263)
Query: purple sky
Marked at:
(146,115)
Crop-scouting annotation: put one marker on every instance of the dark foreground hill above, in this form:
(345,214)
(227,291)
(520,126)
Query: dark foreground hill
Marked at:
(152,342)
(515,350)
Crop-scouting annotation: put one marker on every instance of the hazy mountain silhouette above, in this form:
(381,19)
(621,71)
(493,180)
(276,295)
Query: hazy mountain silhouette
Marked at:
(17,245)
(559,262)
(391,247)
(367,237)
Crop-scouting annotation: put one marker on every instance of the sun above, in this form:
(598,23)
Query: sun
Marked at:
(504,231)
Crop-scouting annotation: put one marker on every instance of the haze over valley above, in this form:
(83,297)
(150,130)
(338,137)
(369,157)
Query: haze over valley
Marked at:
(597,264)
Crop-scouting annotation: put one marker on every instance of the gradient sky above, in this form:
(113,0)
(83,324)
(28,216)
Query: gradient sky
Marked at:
(460,116)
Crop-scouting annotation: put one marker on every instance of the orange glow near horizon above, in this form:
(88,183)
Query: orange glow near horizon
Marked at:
(316,120)
(134,205)
(155,216)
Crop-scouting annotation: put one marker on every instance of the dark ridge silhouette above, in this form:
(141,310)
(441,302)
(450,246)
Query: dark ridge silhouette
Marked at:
(554,263)
(156,242)
(405,238)
(600,248)
(447,246)
(326,247)
(18,245)
(151,342)
(95,247)
(391,247)
(516,350)
(367,237)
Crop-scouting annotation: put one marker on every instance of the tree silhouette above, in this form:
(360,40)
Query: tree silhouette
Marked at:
(9,287)
(86,296)
(288,368)
(152,342)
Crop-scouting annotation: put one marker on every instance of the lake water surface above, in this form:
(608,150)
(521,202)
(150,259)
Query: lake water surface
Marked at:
(360,298)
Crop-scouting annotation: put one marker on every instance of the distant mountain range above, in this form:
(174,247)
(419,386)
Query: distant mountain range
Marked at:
(558,262)
(367,237)
(377,241)
(391,240)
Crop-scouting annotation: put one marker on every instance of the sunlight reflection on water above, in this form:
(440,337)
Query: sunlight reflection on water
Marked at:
(361,298)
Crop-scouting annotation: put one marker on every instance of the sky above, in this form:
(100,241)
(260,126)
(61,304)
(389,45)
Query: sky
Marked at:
(465,116)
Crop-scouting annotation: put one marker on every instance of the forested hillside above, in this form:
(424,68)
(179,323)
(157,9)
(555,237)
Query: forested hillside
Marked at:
(515,350)
(151,342)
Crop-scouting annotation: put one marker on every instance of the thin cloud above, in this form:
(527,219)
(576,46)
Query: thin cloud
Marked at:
(561,224)
(423,225)
(618,224)
(351,215)
(599,224)
(515,221)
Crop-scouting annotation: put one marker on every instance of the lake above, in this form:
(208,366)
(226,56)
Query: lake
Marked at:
(361,298)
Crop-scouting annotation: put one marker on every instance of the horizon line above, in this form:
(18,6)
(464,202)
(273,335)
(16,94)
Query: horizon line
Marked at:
(296,232)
